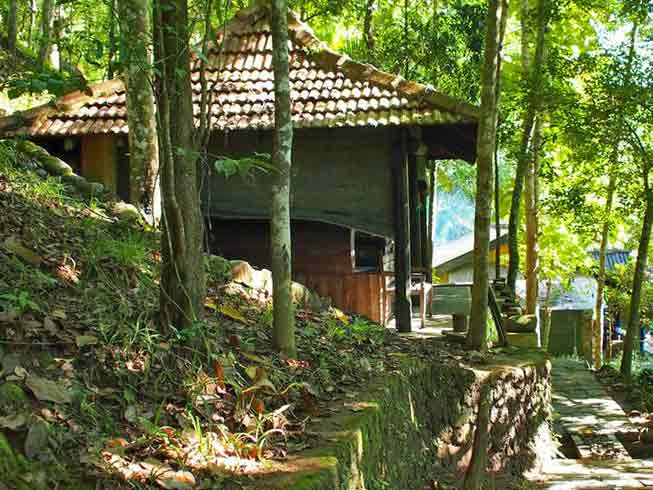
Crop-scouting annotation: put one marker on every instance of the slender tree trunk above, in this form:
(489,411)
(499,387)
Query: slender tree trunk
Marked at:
(12,26)
(632,332)
(33,13)
(531,205)
(368,30)
(283,334)
(496,20)
(597,345)
(546,318)
(47,10)
(497,212)
(532,74)
(477,466)
(182,284)
(136,31)
(433,213)
(112,38)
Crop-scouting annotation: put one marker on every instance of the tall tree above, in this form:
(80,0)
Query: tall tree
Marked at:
(45,42)
(495,29)
(643,155)
(632,332)
(182,285)
(136,33)
(531,196)
(12,26)
(283,334)
(597,328)
(532,74)
(368,29)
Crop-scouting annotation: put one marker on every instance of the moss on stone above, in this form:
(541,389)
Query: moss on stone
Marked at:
(419,423)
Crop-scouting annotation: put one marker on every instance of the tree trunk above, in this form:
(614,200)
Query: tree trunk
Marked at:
(496,20)
(632,333)
(477,466)
(546,318)
(111,6)
(597,328)
(531,205)
(143,149)
(182,284)
(283,334)
(532,76)
(12,27)
(368,30)
(33,14)
(47,9)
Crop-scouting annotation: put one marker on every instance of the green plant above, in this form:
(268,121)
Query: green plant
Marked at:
(21,303)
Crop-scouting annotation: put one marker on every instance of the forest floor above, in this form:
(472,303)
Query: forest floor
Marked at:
(94,395)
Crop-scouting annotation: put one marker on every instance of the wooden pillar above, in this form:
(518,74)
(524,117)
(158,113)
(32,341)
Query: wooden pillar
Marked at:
(403,307)
(423,208)
(414,203)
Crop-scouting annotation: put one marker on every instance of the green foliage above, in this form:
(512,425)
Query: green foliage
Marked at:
(619,290)
(20,303)
(245,167)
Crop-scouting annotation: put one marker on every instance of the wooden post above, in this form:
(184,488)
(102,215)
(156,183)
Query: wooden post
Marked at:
(423,190)
(415,208)
(403,306)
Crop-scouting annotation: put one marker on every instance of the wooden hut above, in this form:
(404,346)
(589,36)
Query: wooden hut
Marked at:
(362,140)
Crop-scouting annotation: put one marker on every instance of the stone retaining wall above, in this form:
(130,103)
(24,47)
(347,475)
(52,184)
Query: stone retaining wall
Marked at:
(418,427)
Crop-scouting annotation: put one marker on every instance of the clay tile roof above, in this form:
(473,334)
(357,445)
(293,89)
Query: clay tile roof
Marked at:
(328,90)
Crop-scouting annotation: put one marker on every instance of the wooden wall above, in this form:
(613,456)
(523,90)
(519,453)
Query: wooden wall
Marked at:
(360,293)
(342,176)
(99,159)
(316,247)
(322,259)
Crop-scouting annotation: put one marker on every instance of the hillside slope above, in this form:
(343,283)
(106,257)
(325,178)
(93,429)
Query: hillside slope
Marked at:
(94,395)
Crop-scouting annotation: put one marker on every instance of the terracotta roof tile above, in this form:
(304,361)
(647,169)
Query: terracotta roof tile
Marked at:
(327,89)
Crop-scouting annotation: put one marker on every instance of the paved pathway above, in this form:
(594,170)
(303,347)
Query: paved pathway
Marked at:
(592,418)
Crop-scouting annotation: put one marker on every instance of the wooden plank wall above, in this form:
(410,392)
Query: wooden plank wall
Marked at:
(360,293)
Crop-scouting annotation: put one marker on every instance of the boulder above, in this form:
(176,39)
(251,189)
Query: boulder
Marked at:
(521,323)
(55,166)
(126,212)
(82,185)
(261,281)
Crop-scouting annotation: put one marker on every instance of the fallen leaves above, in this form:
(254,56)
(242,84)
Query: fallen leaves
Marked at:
(150,470)
(45,389)
(233,313)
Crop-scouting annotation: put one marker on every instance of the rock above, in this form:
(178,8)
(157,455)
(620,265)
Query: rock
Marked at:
(521,323)
(261,281)
(241,272)
(126,212)
(83,186)
(55,166)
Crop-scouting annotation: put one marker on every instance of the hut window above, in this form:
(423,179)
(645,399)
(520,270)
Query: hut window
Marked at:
(368,250)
